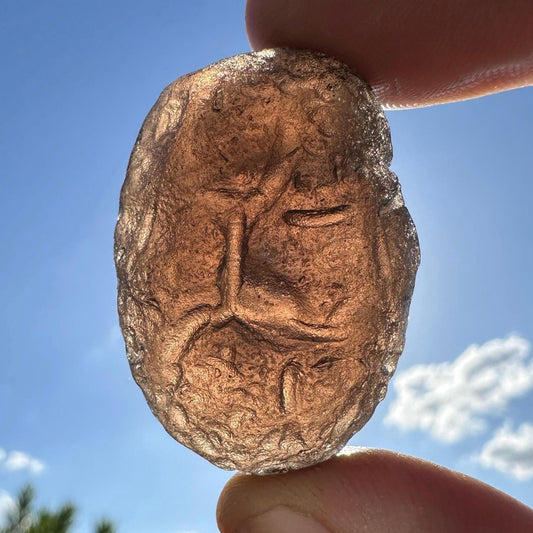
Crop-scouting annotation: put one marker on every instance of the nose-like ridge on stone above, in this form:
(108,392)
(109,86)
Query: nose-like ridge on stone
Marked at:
(232,276)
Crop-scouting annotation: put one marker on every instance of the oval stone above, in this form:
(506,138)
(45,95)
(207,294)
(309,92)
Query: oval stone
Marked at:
(265,259)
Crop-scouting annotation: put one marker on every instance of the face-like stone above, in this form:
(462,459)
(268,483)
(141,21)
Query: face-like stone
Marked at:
(265,259)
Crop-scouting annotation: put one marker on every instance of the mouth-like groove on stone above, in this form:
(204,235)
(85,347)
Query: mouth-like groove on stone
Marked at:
(318,332)
(317,218)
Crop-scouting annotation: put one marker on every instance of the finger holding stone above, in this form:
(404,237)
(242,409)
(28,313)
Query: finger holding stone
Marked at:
(412,53)
(371,490)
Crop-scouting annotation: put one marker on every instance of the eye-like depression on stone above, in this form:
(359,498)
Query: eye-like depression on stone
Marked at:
(265,259)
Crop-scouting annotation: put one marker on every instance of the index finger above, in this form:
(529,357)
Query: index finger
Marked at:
(412,53)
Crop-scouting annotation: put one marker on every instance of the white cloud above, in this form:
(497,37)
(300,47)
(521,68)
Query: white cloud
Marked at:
(16,460)
(452,400)
(2,455)
(110,343)
(7,503)
(510,452)
(114,336)
(352,450)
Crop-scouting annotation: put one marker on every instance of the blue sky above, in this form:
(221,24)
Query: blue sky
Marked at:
(77,80)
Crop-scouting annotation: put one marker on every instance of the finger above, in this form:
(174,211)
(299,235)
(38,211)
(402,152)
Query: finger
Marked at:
(372,491)
(413,53)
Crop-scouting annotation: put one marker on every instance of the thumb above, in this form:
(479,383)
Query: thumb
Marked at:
(372,491)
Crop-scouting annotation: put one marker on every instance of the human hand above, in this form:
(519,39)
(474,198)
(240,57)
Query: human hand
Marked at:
(412,53)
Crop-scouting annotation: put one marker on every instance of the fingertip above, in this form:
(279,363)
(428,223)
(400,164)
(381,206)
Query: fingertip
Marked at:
(374,490)
(251,19)
(412,54)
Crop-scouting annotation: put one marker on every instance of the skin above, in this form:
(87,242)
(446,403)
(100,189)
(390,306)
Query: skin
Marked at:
(413,54)
(375,491)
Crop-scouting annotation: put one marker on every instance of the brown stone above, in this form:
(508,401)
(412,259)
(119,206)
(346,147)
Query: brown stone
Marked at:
(265,259)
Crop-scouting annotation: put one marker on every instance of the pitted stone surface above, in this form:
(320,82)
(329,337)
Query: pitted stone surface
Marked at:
(265,259)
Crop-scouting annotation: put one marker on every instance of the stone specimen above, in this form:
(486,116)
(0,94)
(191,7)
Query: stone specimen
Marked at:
(265,259)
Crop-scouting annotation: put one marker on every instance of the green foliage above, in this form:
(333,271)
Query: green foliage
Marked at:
(23,519)
(19,519)
(54,521)
(105,526)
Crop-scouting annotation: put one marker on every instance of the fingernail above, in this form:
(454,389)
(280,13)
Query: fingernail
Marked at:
(282,520)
